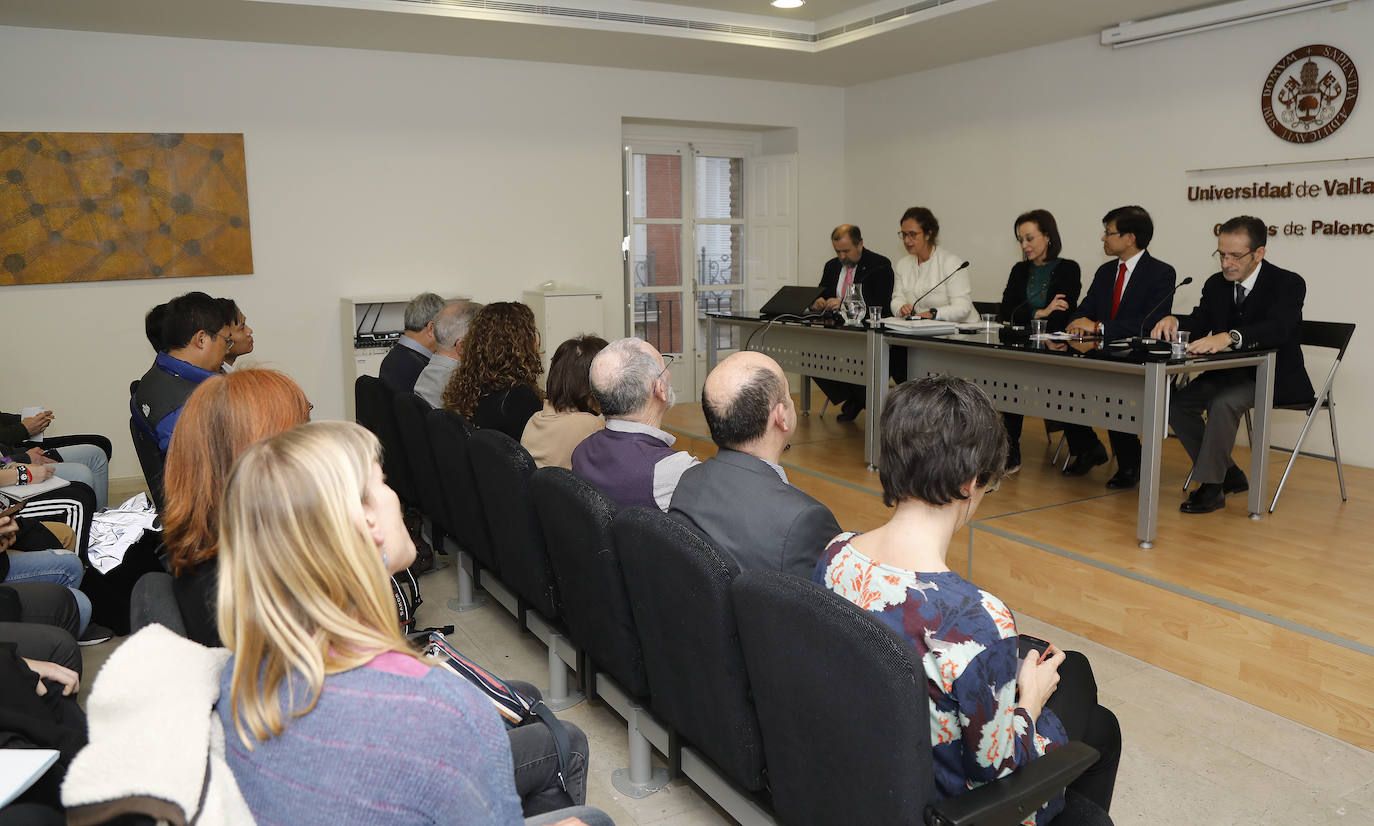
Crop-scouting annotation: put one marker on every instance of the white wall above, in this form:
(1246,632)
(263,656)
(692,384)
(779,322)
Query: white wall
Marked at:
(1078,129)
(368,173)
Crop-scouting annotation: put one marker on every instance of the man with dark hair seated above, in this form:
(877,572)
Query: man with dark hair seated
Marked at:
(196,333)
(741,498)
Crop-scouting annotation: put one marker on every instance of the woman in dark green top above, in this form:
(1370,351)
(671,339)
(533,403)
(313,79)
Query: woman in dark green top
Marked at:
(1041,285)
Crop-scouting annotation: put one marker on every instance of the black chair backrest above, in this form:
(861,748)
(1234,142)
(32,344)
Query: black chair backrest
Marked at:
(984,307)
(150,458)
(376,411)
(466,518)
(1333,334)
(813,656)
(576,518)
(679,587)
(504,470)
(410,425)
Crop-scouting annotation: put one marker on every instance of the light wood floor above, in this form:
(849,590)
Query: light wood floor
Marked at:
(1276,612)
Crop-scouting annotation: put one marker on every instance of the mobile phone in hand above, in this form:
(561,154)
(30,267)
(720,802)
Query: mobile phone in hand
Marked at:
(1025,643)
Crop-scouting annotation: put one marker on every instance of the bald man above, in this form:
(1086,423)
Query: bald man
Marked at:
(632,460)
(741,498)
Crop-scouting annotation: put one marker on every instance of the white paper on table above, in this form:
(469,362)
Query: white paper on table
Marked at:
(20,769)
(33,411)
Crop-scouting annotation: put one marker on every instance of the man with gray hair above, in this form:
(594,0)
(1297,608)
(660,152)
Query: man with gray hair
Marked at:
(450,328)
(741,497)
(632,461)
(411,352)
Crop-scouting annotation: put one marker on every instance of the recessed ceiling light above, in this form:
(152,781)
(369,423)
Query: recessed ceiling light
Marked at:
(788,4)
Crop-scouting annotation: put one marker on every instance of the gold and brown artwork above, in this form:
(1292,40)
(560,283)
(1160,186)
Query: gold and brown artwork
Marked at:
(104,206)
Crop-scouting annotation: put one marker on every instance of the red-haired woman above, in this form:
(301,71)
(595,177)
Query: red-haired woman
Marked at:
(221,419)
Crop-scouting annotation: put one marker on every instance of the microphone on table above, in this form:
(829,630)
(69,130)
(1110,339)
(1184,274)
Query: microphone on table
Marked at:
(1139,338)
(936,287)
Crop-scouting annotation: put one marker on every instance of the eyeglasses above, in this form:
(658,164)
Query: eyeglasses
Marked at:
(1233,257)
(668,359)
(1110,234)
(908,236)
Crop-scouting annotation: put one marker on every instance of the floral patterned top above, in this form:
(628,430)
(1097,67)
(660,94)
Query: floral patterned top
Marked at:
(966,638)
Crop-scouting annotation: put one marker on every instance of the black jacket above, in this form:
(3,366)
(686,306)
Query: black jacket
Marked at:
(1065,279)
(873,273)
(1270,318)
(1145,301)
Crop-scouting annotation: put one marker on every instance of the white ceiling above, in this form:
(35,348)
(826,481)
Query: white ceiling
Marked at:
(956,31)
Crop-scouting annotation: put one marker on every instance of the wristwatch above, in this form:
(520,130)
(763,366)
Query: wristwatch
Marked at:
(1235,339)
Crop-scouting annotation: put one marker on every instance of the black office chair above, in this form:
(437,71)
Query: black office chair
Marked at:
(410,411)
(679,587)
(577,518)
(1333,335)
(150,458)
(376,411)
(985,307)
(813,656)
(503,470)
(467,520)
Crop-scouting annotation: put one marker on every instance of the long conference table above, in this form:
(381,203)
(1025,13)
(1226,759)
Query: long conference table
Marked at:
(1100,385)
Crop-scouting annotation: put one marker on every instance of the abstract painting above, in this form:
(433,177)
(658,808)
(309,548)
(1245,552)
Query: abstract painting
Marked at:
(100,206)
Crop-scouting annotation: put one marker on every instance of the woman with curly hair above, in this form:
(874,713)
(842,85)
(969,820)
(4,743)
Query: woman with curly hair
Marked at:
(495,387)
(222,418)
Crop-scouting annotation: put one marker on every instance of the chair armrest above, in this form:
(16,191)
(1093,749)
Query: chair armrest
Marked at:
(1011,799)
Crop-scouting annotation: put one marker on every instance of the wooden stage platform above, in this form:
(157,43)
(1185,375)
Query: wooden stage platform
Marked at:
(1278,612)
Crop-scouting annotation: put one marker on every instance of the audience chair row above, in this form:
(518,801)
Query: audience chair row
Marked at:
(782,701)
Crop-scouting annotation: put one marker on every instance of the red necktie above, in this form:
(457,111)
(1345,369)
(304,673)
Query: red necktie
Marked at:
(848,281)
(1120,284)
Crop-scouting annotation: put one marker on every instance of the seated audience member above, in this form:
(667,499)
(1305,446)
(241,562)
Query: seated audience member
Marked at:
(222,418)
(632,460)
(409,355)
(496,386)
(1041,286)
(197,335)
(920,288)
(320,668)
(28,554)
(1250,304)
(450,328)
(241,333)
(570,413)
(152,327)
(38,711)
(943,449)
(740,497)
(41,621)
(84,463)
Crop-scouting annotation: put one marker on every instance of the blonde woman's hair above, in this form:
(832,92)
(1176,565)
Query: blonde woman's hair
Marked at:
(303,589)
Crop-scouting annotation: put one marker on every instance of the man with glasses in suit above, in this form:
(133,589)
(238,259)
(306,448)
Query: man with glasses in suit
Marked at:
(1250,304)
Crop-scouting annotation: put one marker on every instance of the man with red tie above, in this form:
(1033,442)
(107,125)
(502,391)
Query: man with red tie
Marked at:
(852,266)
(1128,296)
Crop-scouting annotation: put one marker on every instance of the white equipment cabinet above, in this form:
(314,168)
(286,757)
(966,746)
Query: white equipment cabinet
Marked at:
(562,312)
(370,325)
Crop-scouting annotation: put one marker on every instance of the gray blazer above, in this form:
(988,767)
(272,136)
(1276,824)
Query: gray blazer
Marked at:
(752,514)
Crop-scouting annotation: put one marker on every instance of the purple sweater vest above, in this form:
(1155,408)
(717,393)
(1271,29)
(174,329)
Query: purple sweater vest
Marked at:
(621,465)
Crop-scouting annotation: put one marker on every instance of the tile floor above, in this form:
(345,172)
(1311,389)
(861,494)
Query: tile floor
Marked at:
(1191,754)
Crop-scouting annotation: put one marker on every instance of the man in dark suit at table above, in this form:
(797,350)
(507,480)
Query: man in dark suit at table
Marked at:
(741,498)
(1128,296)
(1252,305)
(853,265)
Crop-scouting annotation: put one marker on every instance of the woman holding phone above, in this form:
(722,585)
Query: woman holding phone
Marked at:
(991,711)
